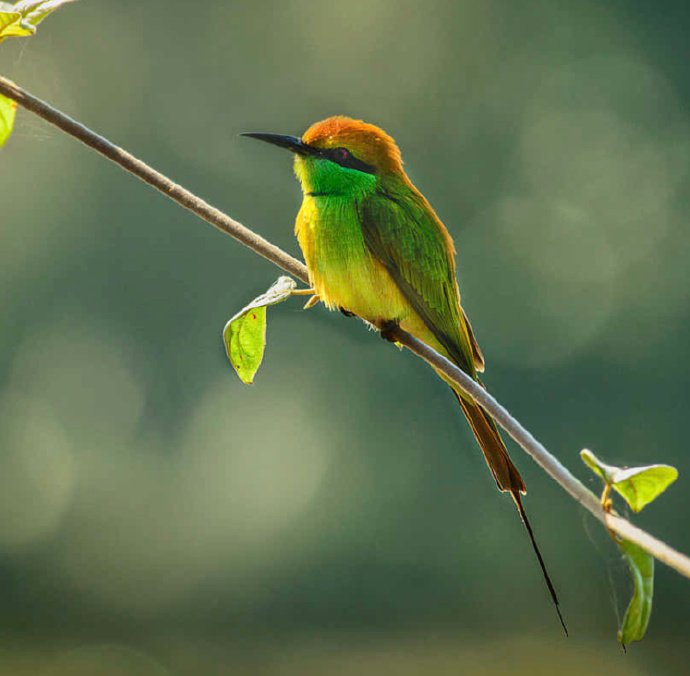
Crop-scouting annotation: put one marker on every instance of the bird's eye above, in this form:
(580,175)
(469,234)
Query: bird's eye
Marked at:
(341,154)
(346,159)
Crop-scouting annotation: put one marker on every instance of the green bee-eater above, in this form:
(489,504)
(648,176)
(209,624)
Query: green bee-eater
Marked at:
(375,248)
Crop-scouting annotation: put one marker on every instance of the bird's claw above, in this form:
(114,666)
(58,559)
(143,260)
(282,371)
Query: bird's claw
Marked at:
(387,330)
(306,292)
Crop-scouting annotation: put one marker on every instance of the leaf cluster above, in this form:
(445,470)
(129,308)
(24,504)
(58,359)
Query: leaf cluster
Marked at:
(638,486)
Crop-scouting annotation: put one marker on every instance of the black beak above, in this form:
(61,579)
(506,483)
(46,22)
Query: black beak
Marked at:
(292,143)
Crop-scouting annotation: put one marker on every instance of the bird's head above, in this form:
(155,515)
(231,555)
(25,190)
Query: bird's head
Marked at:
(340,156)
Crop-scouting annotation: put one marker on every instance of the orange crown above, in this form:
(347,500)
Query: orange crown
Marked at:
(365,141)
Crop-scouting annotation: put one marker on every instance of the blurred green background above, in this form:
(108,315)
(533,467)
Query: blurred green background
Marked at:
(157,517)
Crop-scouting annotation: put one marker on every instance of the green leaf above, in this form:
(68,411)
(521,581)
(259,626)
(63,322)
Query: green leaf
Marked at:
(11,25)
(21,18)
(8,108)
(245,334)
(245,340)
(639,609)
(641,485)
(638,486)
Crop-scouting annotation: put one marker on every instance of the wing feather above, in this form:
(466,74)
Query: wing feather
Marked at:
(402,231)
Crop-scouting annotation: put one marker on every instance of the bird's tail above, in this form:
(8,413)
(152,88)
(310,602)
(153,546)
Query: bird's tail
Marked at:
(495,452)
(506,475)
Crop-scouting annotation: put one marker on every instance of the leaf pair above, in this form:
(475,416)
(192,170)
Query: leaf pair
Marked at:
(638,486)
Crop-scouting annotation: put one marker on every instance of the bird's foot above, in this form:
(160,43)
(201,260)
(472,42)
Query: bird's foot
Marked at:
(306,292)
(311,302)
(387,330)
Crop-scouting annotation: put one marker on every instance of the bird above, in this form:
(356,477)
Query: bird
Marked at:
(375,248)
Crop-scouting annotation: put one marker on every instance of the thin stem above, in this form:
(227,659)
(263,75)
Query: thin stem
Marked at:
(224,223)
(605,500)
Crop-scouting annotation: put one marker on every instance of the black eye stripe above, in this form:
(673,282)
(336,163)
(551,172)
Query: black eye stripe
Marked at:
(346,159)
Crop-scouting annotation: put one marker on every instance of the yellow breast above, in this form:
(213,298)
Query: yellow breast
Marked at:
(341,269)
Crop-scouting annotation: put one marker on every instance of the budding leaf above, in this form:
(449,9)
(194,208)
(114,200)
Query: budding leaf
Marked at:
(8,109)
(21,18)
(245,334)
(596,465)
(638,486)
(639,609)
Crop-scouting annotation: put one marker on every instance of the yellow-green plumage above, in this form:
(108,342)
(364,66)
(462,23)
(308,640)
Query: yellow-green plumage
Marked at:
(375,247)
(341,268)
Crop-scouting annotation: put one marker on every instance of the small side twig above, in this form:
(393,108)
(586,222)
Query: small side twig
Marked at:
(551,465)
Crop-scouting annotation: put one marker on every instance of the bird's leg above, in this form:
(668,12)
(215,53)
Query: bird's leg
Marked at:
(306,292)
(347,313)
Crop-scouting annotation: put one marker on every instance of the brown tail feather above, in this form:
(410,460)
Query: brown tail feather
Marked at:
(495,453)
(506,475)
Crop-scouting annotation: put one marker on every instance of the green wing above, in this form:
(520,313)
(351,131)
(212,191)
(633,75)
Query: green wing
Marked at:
(402,232)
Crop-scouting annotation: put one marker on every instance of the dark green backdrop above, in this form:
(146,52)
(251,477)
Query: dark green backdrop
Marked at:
(157,517)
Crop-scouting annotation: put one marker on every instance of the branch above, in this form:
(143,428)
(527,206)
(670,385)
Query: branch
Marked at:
(258,244)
